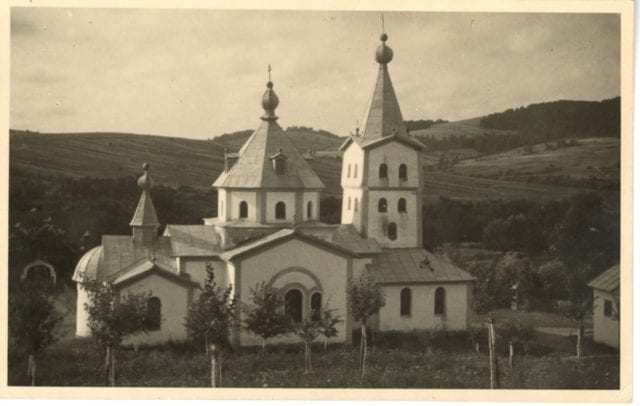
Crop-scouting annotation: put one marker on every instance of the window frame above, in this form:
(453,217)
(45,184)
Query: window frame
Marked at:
(243,205)
(383,206)
(383,171)
(440,301)
(277,211)
(405,302)
(403,168)
(299,310)
(402,202)
(153,321)
(392,236)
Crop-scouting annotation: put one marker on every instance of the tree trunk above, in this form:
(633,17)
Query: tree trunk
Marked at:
(32,369)
(206,344)
(220,368)
(264,344)
(579,339)
(325,343)
(476,346)
(510,354)
(493,358)
(363,365)
(306,357)
(113,368)
(29,365)
(107,366)
(213,369)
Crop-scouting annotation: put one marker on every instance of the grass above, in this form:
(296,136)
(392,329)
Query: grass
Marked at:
(398,360)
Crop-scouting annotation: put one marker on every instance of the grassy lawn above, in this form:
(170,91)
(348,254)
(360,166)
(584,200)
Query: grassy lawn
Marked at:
(399,360)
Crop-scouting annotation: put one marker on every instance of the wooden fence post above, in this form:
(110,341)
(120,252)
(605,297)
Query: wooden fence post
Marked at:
(493,357)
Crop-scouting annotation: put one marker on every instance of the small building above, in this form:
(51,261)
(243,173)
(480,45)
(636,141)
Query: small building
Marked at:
(268,231)
(606,307)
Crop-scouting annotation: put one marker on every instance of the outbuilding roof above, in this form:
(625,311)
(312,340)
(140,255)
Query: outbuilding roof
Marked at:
(343,235)
(608,281)
(414,265)
(193,240)
(121,252)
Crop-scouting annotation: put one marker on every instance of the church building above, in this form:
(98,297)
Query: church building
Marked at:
(268,230)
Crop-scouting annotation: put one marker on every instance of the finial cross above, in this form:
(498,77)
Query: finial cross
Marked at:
(269,70)
(382,20)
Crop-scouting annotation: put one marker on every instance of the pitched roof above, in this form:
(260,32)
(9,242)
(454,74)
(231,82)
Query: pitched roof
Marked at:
(145,214)
(146,267)
(383,115)
(414,265)
(255,169)
(283,235)
(193,240)
(120,252)
(343,235)
(609,280)
(408,140)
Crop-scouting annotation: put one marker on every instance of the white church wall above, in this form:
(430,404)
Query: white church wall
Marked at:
(82,316)
(407,231)
(223,204)
(237,196)
(352,166)
(196,269)
(288,198)
(174,301)
(393,154)
(422,308)
(329,268)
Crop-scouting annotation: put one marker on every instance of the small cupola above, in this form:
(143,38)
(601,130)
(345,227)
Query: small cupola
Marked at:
(145,222)
(279,161)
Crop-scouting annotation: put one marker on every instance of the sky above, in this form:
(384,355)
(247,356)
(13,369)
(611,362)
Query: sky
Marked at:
(201,73)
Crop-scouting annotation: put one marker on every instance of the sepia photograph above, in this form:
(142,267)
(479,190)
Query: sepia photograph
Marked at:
(329,199)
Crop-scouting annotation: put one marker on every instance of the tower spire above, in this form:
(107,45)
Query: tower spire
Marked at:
(145,221)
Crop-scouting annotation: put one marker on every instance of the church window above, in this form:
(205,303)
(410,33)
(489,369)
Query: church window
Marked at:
(382,205)
(154,313)
(349,203)
(349,171)
(293,304)
(355,171)
(355,204)
(280,166)
(244,210)
(402,172)
(402,205)
(405,302)
(392,231)
(309,209)
(382,171)
(439,307)
(316,306)
(281,210)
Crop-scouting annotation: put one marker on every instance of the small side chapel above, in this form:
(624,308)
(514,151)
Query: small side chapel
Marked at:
(268,230)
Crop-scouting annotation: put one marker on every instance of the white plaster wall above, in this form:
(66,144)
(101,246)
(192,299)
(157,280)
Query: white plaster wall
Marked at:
(237,196)
(393,154)
(223,204)
(353,155)
(196,269)
(82,316)
(350,215)
(329,268)
(422,308)
(289,199)
(174,300)
(407,227)
(605,329)
(315,201)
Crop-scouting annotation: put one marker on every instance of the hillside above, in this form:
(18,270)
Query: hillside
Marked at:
(304,138)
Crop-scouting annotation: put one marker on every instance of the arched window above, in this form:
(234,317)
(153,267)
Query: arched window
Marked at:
(281,210)
(355,204)
(382,205)
(349,203)
(402,205)
(154,313)
(309,209)
(439,306)
(316,306)
(382,171)
(244,210)
(405,302)
(392,231)
(293,304)
(349,171)
(402,172)
(355,171)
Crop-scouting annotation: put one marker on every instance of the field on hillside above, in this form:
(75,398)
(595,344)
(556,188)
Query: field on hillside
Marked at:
(591,157)
(470,127)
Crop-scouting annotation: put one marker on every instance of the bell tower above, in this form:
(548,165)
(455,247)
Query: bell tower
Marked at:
(382,169)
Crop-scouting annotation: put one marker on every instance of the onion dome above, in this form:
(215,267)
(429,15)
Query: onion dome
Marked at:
(269,103)
(144,181)
(384,54)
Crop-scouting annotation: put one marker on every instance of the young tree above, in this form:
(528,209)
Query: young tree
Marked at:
(211,318)
(308,331)
(265,316)
(112,317)
(366,299)
(513,332)
(33,322)
(328,322)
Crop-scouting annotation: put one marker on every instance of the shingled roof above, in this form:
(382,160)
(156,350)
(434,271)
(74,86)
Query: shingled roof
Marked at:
(414,265)
(255,168)
(608,281)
